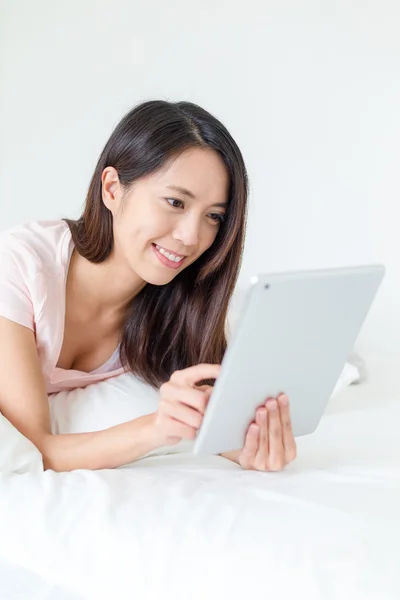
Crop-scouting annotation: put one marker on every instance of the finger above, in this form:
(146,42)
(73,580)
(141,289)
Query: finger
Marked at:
(289,442)
(205,388)
(180,430)
(262,455)
(183,413)
(192,375)
(195,398)
(276,449)
(247,456)
(207,391)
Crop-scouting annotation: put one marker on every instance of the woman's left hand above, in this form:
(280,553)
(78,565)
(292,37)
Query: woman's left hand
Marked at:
(269,444)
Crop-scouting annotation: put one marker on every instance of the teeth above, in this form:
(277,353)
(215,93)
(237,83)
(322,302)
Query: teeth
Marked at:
(169,255)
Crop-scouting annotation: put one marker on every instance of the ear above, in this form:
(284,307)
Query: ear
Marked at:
(111,189)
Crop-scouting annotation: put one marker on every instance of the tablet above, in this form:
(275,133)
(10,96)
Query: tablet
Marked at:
(294,335)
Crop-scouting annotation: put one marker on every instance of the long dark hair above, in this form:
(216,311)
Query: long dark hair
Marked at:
(182,323)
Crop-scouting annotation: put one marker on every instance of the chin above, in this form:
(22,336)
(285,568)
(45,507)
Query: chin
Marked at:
(155,278)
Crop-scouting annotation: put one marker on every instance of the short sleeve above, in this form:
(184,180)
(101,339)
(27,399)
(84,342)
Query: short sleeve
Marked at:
(15,298)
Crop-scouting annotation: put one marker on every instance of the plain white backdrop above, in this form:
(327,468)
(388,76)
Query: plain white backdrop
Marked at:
(310,90)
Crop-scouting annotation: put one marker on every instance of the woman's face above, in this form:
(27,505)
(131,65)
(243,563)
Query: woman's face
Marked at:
(166,220)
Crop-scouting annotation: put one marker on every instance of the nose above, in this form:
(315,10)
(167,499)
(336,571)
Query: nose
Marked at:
(187,230)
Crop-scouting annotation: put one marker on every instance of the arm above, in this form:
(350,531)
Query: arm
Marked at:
(24,402)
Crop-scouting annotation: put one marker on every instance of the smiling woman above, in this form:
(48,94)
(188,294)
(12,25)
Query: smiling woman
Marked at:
(167,204)
(140,283)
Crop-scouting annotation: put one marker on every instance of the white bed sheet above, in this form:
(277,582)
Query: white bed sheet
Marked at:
(181,527)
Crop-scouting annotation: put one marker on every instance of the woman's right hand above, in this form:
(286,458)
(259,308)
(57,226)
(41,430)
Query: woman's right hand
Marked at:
(182,404)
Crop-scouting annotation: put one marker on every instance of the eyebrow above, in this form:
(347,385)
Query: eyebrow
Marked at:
(190,194)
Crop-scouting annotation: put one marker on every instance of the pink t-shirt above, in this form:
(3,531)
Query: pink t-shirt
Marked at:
(34,261)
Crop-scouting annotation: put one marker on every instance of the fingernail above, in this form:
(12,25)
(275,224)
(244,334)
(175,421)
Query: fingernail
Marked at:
(272,405)
(283,400)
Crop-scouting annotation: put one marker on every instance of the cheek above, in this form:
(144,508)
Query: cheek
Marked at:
(207,239)
(138,223)
(210,235)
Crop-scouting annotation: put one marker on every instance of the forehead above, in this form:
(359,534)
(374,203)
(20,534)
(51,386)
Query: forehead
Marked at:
(201,171)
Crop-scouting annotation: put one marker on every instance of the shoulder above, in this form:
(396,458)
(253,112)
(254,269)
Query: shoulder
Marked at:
(36,245)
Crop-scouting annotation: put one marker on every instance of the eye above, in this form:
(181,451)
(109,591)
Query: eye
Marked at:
(174,202)
(217,217)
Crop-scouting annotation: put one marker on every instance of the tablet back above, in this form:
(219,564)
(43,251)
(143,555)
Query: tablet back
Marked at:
(294,335)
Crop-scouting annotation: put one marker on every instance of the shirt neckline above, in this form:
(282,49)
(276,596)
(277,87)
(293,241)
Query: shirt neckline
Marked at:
(67,249)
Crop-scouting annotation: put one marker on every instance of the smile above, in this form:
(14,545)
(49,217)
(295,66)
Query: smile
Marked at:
(167,258)
(169,255)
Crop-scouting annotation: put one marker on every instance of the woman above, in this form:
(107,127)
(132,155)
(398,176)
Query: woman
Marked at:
(141,282)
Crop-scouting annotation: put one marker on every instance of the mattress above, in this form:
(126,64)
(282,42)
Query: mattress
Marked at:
(184,527)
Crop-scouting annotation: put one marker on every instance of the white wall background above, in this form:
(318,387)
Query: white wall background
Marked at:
(310,90)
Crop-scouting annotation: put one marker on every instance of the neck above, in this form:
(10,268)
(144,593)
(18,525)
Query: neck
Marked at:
(105,288)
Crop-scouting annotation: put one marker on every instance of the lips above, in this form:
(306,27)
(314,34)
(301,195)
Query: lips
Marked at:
(170,254)
(172,264)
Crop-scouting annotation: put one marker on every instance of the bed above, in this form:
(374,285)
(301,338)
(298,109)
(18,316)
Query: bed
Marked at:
(176,526)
